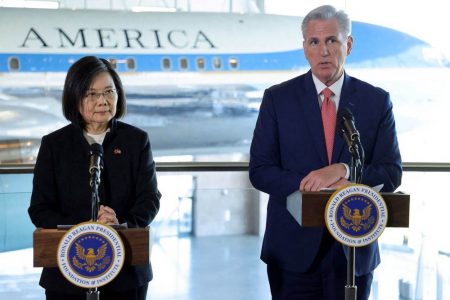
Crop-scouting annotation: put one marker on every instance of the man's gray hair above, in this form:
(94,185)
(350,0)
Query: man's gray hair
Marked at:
(327,12)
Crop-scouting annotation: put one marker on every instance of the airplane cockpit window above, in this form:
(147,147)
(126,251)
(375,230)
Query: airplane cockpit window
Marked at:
(217,63)
(13,64)
(233,63)
(166,64)
(113,62)
(200,64)
(183,64)
(131,64)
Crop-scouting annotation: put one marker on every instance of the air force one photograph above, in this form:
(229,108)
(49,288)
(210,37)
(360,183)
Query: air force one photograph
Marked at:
(194,81)
(208,70)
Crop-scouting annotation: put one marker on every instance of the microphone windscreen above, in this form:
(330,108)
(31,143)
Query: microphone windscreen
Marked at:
(96,149)
(345,114)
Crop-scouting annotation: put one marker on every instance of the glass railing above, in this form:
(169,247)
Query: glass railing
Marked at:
(212,219)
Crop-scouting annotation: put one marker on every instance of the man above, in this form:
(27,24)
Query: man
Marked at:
(292,150)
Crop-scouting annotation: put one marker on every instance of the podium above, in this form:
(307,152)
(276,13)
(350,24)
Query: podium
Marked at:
(308,208)
(136,242)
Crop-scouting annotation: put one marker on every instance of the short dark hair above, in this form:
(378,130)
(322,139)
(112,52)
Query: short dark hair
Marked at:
(78,81)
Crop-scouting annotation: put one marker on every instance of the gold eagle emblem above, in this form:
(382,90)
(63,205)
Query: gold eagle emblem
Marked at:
(357,221)
(89,260)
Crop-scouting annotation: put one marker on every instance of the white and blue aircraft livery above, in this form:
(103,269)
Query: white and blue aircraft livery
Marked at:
(207,70)
(47,41)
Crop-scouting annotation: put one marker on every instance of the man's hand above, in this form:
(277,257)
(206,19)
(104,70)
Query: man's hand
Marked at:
(107,216)
(340,183)
(327,177)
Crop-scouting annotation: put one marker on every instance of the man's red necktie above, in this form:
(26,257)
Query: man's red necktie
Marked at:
(329,120)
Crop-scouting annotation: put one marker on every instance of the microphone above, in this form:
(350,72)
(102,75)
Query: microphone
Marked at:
(348,125)
(350,134)
(351,137)
(95,162)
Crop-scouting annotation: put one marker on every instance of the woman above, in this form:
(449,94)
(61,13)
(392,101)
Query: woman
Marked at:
(93,100)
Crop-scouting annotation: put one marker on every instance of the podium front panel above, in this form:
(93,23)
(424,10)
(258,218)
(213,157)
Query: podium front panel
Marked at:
(135,240)
(308,208)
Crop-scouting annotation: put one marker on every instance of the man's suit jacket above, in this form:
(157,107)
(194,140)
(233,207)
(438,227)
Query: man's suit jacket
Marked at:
(61,192)
(288,143)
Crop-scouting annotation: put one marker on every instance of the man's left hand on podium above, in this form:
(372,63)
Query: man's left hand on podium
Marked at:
(340,183)
(325,177)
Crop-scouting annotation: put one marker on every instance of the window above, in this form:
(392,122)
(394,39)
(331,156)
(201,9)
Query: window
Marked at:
(233,63)
(166,64)
(200,63)
(217,63)
(13,64)
(113,62)
(183,64)
(131,64)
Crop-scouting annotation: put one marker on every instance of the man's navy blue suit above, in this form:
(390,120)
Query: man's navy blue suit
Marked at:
(288,143)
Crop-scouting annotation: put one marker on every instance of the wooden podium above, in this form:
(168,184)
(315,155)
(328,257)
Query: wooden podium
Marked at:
(309,208)
(136,242)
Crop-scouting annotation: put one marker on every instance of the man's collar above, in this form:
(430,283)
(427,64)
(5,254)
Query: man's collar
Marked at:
(335,87)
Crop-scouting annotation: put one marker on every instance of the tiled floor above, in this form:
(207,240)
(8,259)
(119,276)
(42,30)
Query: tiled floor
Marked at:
(204,268)
(223,267)
(228,267)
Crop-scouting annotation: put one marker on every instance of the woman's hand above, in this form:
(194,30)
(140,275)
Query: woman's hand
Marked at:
(107,216)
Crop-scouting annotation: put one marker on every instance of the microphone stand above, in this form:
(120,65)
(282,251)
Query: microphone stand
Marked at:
(350,287)
(94,183)
(94,293)
(356,167)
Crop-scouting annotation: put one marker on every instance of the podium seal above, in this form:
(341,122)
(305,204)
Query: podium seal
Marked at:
(90,254)
(356,215)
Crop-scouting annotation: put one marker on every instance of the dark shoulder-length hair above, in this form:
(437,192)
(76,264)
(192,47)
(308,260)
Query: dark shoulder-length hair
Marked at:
(78,81)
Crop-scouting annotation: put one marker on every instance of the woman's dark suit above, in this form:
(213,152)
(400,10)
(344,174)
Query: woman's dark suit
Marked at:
(62,195)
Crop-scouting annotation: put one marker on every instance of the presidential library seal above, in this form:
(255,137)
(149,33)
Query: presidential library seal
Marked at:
(90,254)
(356,215)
